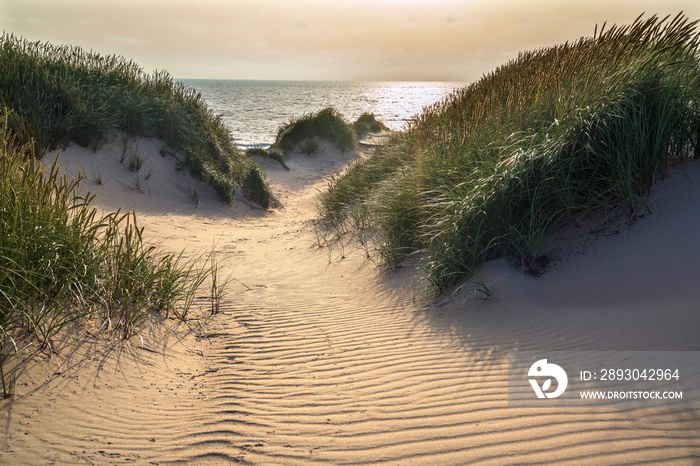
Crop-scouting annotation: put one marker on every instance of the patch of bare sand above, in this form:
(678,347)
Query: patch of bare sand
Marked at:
(323,359)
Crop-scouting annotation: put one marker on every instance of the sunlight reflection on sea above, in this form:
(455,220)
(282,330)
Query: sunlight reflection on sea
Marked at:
(254,110)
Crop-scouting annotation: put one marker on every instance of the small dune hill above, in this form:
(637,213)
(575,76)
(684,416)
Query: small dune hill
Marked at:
(306,131)
(61,94)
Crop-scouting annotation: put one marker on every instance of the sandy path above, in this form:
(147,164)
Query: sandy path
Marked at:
(318,358)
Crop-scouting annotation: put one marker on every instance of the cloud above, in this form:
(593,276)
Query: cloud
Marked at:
(320,39)
(126,40)
(299,24)
(449,19)
(27,20)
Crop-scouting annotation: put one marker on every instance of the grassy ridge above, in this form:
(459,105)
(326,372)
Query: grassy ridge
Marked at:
(325,124)
(60,94)
(306,132)
(547,138)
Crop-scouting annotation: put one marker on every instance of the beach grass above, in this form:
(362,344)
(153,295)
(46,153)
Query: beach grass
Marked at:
(368,123)
(63,94)
(62,261)
(326,124)
(543,141)
(270,153)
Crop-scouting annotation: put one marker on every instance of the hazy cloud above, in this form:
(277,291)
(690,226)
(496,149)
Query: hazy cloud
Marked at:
(449,19)
(299,24)
(126,40)
(321,39)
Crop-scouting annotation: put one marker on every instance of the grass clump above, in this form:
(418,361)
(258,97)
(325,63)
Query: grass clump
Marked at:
(61,94)
(326,124)
(310,146)
(368,123)
(270,153)
(546,139)
(255,182)
(61,261)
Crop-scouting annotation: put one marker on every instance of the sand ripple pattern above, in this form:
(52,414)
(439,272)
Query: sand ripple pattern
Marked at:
(318,359)
(357,380)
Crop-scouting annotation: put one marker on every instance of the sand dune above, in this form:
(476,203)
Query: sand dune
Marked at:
(320,357)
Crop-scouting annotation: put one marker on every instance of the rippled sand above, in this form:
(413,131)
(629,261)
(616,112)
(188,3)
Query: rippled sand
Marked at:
(320,357)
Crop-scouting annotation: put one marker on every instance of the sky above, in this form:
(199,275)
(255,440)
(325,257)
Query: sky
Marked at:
(382,40)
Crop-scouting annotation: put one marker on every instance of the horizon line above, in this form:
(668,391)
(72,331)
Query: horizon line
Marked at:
(326,80)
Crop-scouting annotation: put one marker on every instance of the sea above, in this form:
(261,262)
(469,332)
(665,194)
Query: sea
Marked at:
(254,110)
